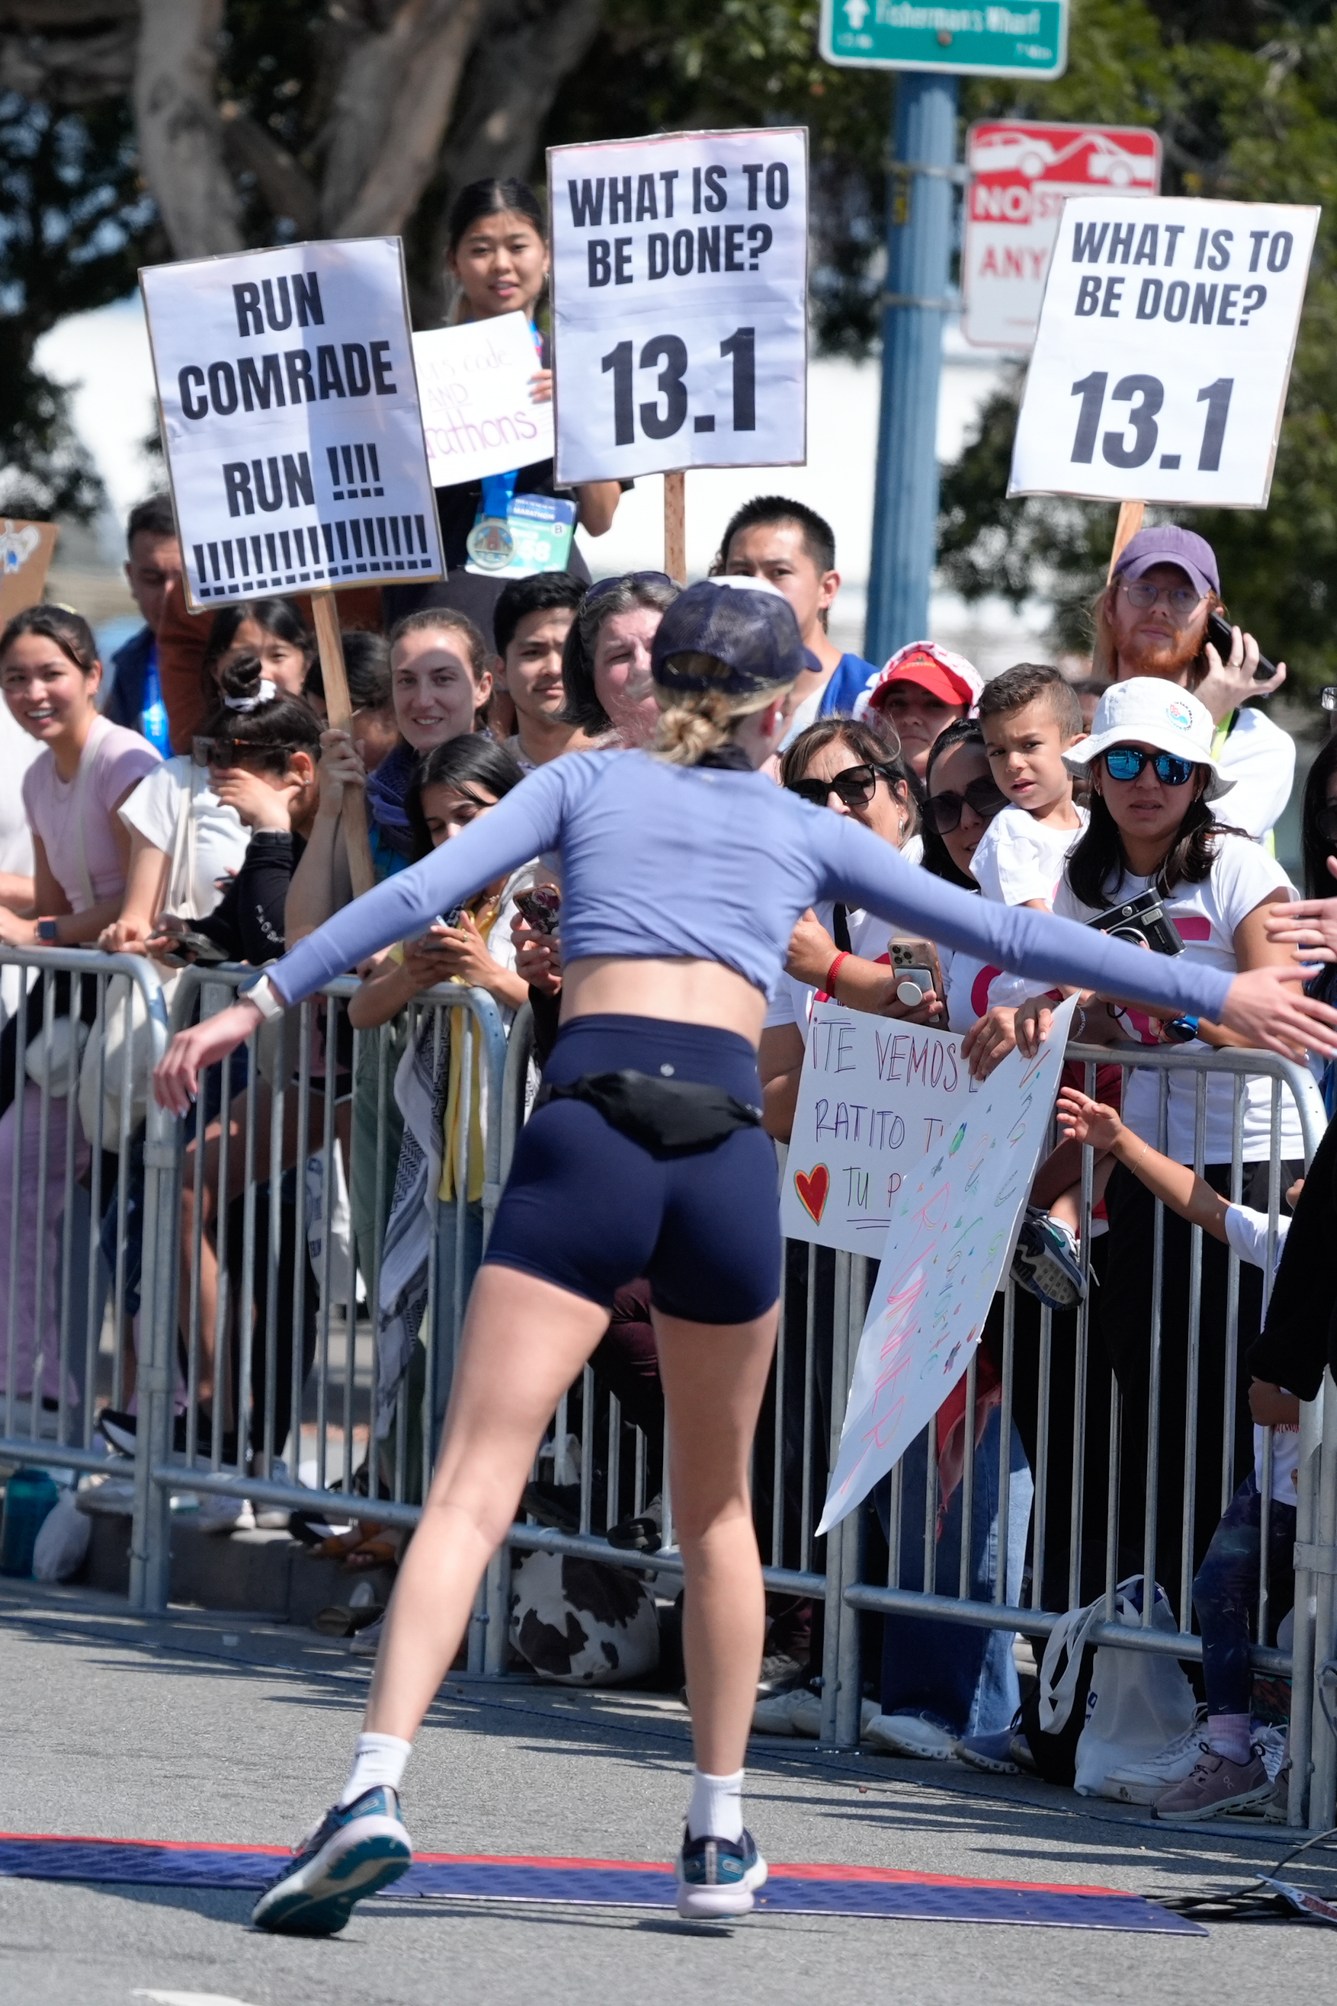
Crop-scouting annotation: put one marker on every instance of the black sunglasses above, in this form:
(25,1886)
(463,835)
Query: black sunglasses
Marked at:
(942,812)
(854,787)
(238,751)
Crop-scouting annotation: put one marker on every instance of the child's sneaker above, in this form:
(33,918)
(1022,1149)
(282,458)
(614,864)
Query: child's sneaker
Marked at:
(1214,1786)
(718,1877)
(356,1850)
(1048,1261)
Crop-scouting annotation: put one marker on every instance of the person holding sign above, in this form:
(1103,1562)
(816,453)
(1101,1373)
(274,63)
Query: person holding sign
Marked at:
(684,871)
(1161,615)
(497,255)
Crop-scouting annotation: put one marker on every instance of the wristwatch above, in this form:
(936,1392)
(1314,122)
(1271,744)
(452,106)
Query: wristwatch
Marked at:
(1180,1030)
(262,993)
(48,934)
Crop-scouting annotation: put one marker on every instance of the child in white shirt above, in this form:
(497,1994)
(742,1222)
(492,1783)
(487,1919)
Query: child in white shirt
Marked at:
(1030,716)
(1228,1774)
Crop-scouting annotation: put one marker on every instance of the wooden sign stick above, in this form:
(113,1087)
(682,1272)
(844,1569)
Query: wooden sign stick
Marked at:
(339,710)
(675,526)
(1127,527)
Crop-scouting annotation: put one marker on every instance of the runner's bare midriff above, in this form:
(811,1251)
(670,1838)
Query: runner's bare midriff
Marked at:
(681,991)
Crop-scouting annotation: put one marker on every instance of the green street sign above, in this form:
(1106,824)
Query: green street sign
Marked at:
(1027,39)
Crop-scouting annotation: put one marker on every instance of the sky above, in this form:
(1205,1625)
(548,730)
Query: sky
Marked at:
(106,356)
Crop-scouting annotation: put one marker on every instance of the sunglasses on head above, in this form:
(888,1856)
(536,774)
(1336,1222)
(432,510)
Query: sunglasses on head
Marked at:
(626,578)
(854,786)
(1125,762)
(942,812)
(239,751)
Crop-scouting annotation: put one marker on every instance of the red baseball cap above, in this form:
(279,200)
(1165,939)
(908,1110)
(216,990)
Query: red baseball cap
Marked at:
(947,676)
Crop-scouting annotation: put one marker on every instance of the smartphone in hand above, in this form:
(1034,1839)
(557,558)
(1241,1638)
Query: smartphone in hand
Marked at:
(1221,636)
(917,970)
(540,907)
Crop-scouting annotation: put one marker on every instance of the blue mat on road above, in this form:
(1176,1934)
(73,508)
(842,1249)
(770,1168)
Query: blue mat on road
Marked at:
(791,1890)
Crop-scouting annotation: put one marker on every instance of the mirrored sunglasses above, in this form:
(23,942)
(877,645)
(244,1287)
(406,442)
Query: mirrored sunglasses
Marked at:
(1125,762)
(942,812)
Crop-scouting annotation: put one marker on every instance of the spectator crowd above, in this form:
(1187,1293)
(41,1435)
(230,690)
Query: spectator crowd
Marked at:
(185,802)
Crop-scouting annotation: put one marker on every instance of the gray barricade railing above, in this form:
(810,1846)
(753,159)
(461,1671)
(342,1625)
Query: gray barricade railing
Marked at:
(87,1166)
(1079,1427)
(270,1318)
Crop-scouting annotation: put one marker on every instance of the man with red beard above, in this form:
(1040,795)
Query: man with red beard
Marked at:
(1151,620)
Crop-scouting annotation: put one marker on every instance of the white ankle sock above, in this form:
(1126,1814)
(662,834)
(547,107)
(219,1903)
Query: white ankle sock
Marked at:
(1228,1735)
(378,1758)
(716,1809)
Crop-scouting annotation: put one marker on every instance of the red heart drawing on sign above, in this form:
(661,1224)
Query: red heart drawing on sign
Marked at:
(813,1188)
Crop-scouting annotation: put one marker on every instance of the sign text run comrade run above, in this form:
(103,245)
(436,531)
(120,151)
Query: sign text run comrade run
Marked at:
(679,302)
(290,419)
(1164,350)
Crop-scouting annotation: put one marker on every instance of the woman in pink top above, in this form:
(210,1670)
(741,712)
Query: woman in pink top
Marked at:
(50,675)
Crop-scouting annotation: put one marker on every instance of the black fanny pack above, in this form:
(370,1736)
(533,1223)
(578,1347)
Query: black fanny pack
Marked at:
(670,1116)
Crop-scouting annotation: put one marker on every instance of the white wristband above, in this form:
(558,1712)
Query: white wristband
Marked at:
(265,997)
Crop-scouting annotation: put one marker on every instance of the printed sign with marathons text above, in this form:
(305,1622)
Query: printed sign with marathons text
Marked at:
(290,419)
(1014,41)
(953,1226)
(680,333)
(478,415)
(1160,367)
(874,1094)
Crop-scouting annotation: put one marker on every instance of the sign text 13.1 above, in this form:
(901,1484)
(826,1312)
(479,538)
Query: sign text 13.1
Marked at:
(668,353)
(1144,396)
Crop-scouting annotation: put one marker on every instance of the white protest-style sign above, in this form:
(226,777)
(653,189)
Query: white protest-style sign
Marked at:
(478,416)
(1160,369)
(952,1231)
(1021,173)
(874,1094)
(290,419)
(679,270)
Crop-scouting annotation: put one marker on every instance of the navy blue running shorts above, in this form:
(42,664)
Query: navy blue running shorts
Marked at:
(590,1210)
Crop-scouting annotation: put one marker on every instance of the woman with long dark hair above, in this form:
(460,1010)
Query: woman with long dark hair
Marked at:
(683,874)
(497,259)
(1153,779)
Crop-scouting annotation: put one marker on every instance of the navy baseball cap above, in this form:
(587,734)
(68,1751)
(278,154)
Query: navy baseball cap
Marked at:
(1192,554)
(742,624)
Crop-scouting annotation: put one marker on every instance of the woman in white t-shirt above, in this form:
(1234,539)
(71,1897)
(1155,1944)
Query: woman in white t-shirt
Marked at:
(1153,776)
(50,674)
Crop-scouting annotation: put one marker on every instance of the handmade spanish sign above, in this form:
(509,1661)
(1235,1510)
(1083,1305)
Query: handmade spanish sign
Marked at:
(873,1096)
(953,1226)
(1164,350)
(680,302)
(290,419)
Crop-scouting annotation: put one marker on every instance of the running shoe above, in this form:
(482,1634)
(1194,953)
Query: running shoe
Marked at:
(1048,1261)
(1214,1786)
(718,1877)
(356,1850)
(912,1734)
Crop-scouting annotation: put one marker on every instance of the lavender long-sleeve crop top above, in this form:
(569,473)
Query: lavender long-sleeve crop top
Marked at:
(714,864)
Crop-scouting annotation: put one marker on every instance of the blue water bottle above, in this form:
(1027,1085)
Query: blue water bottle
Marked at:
(29,1496)
(153,718)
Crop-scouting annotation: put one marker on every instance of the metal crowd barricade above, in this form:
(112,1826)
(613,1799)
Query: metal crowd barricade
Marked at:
(1060,1523)
(259,1380)
(81,1217)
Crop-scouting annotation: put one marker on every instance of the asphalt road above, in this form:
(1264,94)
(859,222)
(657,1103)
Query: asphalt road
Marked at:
(210,1728)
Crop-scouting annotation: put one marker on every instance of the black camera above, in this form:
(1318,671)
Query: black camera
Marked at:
(1141,921)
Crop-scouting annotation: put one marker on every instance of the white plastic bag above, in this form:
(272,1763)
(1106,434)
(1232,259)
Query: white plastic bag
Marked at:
(343,1264)
(1138,1700)
(62,1542)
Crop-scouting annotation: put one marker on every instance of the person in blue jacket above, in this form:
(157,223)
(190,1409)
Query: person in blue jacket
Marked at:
(134,696)
(684,871)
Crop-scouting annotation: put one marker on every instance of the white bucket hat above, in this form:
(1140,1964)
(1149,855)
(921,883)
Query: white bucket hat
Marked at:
(1149,711)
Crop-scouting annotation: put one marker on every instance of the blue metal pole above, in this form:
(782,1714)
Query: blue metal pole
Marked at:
(920,217)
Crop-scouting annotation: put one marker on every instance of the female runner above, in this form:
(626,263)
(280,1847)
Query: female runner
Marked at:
(684,873)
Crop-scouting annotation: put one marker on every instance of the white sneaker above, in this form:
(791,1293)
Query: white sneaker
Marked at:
(1142,1782)
(223,1512)
(909,1734)
(1271,1745)
(800,1713)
